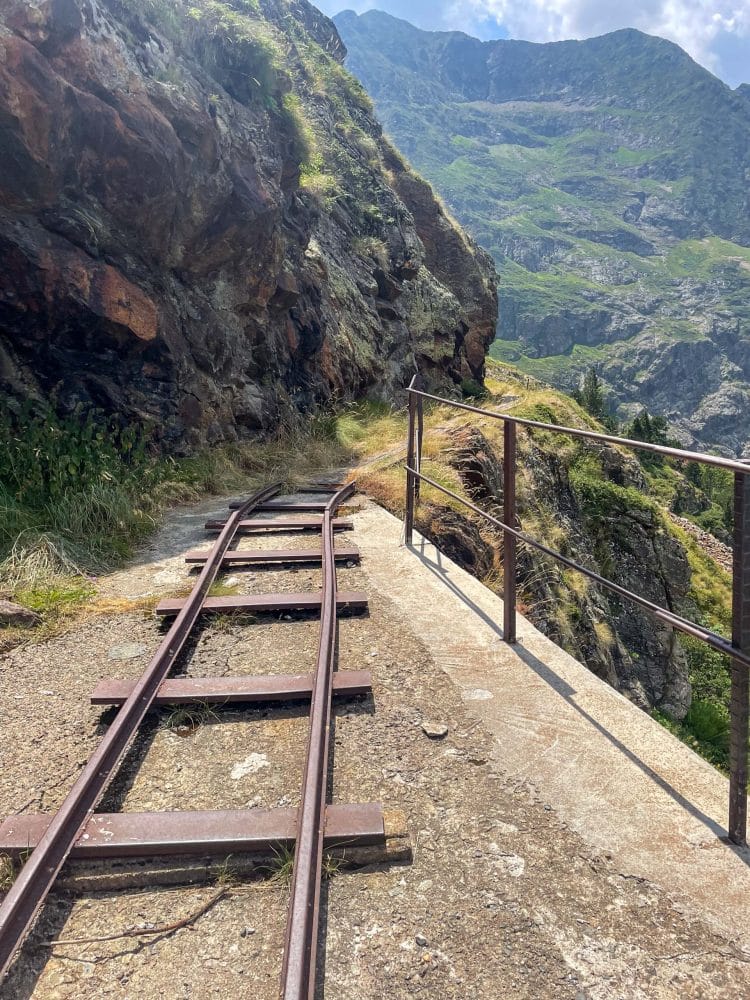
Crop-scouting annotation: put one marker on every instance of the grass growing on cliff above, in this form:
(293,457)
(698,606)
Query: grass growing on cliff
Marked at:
(78,493)
(377,438)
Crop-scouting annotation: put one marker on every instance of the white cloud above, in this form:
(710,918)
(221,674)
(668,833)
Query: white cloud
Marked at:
(699,26)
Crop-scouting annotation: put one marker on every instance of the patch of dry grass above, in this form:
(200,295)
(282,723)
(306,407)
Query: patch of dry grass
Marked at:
(7,872)
(48,568)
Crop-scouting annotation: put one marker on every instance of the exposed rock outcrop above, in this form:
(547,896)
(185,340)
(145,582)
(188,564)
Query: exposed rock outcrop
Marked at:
(601,521)
(202,227)
(17,614)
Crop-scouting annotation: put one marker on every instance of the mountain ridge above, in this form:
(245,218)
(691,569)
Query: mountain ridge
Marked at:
(607,177)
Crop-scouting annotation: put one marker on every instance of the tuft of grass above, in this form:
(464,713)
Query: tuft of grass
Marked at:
(7,872)
(472,390)
(605,635)
(710,585)
(705,729)
(332,866)
(321,185)
(600,498)
(34,557)
(281,869)
(58,597)
(219,588)
(373,247)
(370,422)
(226,875)
(185,719)
(226,622)
(710,725)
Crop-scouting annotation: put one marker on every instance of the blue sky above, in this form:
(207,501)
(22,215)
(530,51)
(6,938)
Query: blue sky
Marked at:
(715,32)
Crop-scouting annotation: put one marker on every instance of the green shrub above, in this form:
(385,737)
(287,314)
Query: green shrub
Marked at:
(44,458)
(708,669)
(305,141)
(471,389)
(710,724)
(77,492)
(82,479)
(374,247)
(601,498)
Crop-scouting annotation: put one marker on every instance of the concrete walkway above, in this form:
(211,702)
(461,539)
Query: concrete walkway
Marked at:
(621,781)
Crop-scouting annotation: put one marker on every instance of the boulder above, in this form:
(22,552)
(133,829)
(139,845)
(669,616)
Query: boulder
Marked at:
(17,614)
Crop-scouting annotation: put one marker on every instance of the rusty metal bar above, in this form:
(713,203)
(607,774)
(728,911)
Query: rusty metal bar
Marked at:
(668,617)
(739,701)
(145,835)
(236,557)
(261,526)
(658,449)
(509,540)
(27,894)
(290,506)
(304,601)
(418,384)
(300,950)
(231,690)
(410,463)
(321,488)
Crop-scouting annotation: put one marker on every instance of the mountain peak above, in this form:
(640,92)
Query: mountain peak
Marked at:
(607,178)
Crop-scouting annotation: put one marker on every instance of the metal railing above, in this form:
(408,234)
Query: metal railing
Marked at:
(739,647)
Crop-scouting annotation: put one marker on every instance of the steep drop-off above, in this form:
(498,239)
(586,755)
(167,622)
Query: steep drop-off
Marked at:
(595,504)
(609,179)
(202,228)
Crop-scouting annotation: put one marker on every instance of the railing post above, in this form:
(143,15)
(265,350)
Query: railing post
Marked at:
(409,515)
(739,705)
(509,541)
(419,384)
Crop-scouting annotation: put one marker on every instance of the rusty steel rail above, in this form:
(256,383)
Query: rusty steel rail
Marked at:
(76,831)
(27,894)
(300,949)
(738,649)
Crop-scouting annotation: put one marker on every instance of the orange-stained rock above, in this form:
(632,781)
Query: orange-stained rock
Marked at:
(100,288)
(120,301)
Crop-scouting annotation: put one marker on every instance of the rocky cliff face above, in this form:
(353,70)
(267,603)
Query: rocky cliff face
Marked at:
(201,226)
(608,178)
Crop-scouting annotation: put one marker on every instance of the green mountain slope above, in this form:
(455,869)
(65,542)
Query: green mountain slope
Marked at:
(609,179)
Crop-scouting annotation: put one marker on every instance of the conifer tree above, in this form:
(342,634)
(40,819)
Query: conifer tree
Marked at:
(592,394)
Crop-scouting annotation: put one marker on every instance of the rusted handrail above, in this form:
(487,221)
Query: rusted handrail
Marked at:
(739,647)
(713,639)
(733,465)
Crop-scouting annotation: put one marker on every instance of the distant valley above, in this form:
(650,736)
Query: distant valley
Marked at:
(610,180)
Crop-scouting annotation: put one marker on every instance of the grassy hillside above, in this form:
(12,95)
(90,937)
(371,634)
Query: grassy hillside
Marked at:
(608,180)
(597,505)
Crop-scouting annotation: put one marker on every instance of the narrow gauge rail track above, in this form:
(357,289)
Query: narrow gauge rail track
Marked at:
(76,830)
